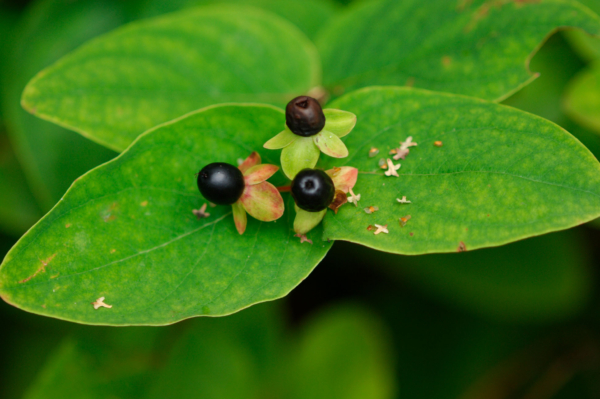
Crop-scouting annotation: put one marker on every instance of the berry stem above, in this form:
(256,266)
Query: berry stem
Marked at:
(284,189)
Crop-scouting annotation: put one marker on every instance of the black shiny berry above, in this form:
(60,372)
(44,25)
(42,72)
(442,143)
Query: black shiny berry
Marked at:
(313,190)
(221,183)
(304,116)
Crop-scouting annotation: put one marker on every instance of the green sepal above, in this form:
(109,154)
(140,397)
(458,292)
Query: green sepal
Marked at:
(301,154)
(339,122)
(330,144)
(283,139)
(306,221)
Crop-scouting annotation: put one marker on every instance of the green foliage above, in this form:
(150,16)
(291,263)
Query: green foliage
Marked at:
(52,157)
(244,356)
(18,209)
(587,46)
(152,71)
(535,280)
(308,15)
(582,98)
(126,231)
(501,174)
(478,48)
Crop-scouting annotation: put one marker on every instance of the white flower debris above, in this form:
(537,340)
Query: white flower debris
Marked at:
(201,213)
(353,198)
(408,143)
(403,200)
(404,220)
(373,151)
(100,303)
(381,229)
(392,168)
(403,151)
(303,238)
(240,161)
(371,209)
(400,154)
(382,164)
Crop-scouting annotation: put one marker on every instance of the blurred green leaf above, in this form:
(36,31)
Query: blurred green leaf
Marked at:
(52,157)
(587,46)
(208,363)
(478,48)
(582,98)
(308,15)
(149,72)
(342,353)
(106,363)
(18,209)
(126,231)
(556,64)
(500,176)
(538,279)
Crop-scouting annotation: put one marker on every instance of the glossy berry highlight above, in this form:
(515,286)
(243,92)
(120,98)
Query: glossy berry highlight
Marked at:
(221,183)
(313,190)
(304,116)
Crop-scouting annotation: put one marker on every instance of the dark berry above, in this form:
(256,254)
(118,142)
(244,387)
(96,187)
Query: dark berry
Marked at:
(221,183)
(304,116)
(313,190)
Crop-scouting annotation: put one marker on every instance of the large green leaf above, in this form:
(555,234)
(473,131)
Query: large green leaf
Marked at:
(501,174)
(52,157)
(125,231)
(479,47)
(582,98)
(149,72)
(308,15)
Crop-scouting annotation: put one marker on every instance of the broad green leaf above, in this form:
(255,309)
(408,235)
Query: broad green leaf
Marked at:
(125,231)
(501,174)
(113,88)
(343,353)
(52,157)
(536,280)
(479,48)
(582,98)
(308,15)
(587,46)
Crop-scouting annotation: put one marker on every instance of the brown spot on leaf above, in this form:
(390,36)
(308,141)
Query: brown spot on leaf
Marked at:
(438,143)
(446,61)
(41,269)
(410,82)
(110,214)
(67,225)
(144,203)
(461,247)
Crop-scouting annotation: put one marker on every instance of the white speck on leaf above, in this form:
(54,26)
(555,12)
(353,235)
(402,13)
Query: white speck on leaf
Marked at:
(392,168)
(201,213)
(100,303)
(353,198)
(303,238)
(381,229)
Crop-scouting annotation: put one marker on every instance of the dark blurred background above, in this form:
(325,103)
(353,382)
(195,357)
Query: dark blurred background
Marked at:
(518,321)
